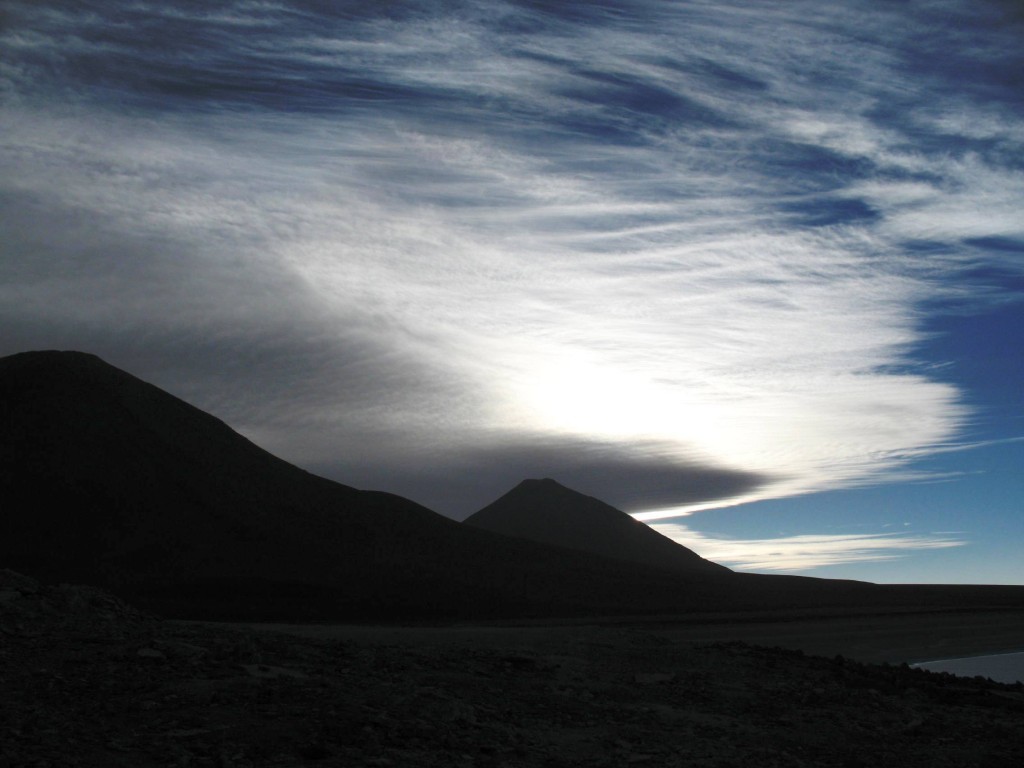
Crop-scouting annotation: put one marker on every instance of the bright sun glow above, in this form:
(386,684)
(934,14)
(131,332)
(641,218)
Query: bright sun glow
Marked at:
(579,396)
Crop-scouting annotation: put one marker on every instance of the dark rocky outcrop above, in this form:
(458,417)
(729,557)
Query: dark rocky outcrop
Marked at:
(70,611)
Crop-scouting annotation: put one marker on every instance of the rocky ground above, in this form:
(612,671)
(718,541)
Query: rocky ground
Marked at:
(86,680)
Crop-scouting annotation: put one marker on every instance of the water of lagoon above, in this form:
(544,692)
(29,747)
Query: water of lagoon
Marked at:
(1003,668)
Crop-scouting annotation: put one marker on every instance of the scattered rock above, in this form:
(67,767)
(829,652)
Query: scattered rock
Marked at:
(267,672)
(180,651)
(650,678)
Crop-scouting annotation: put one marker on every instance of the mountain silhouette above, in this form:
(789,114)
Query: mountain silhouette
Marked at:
(549,513)
(110,481)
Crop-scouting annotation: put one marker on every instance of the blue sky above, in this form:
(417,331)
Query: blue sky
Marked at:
(752,272)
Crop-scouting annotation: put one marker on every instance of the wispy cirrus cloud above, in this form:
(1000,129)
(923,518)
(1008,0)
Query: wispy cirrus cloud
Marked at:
(706,234)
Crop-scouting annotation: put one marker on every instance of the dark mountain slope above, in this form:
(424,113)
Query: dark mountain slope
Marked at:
(108,480)
(118,467)
(547,512)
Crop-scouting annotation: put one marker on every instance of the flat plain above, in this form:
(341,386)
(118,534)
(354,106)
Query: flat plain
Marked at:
(884,637)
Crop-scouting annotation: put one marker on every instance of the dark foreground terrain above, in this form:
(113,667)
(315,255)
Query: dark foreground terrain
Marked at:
(87,680)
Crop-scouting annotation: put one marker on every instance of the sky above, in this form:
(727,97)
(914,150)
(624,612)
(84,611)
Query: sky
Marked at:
(752,272)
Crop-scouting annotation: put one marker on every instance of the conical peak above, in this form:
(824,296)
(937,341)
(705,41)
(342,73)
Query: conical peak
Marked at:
(545,511)
(53,357)
(543,483)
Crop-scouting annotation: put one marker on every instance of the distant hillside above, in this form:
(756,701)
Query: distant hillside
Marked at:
(547,512)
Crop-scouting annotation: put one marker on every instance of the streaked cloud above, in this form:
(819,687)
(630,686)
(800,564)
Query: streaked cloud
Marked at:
(806,551)
(389,241)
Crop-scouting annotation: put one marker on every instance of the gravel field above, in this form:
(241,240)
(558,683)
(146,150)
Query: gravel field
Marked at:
(88,681)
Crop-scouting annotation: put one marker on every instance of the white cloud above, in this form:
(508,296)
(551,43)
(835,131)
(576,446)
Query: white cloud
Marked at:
(485,222)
